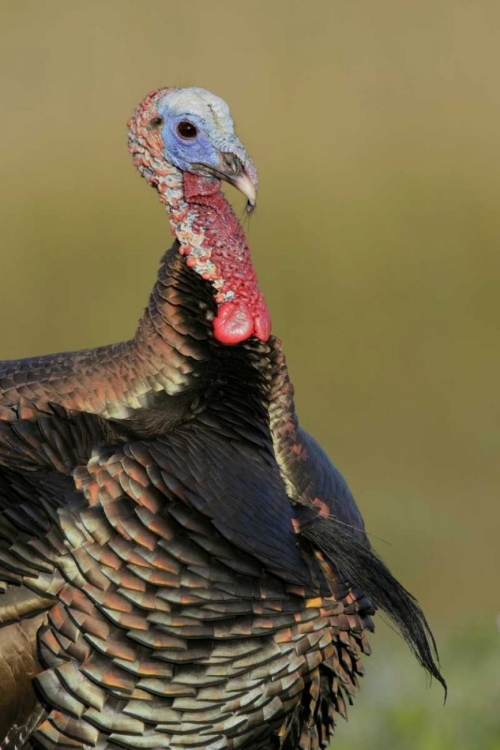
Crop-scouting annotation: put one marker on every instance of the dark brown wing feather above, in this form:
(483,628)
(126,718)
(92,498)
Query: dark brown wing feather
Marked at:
(39,448)
(19,707)
(167,633)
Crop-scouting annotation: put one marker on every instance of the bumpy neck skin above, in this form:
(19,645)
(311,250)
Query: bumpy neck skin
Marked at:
(210,237)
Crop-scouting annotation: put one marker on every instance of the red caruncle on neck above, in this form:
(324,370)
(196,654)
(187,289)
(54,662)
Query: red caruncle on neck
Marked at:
(226,262)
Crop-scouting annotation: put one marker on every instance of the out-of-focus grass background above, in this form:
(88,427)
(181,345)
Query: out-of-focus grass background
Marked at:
(375,127)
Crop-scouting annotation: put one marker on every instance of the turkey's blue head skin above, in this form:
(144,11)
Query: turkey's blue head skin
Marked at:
(198,135)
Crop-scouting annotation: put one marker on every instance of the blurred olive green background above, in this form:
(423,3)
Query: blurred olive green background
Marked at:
(375,127)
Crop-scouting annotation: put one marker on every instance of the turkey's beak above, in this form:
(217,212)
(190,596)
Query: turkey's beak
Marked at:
(244,184)
(233,171)
(239,172)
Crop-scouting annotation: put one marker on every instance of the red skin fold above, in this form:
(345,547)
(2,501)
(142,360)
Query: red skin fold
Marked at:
(235,322)
(246,314)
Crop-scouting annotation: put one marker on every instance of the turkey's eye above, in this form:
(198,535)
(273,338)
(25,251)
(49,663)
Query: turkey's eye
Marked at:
(156,122)
(187,130)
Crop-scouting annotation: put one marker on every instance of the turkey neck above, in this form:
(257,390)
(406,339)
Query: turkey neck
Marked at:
(214,250)
(214,246)
(175,341)
(210,236)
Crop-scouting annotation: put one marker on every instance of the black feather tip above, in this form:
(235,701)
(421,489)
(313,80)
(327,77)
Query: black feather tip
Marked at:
(358,563)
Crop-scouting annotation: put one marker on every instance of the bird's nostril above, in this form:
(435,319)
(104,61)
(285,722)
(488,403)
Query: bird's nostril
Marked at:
(233,164)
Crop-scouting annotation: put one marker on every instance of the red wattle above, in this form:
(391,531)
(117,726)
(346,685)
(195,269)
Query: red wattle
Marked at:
(234,323)
(263,325)
(244,314)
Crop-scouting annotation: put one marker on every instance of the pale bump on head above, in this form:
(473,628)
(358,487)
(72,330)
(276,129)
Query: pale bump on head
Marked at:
(201,103)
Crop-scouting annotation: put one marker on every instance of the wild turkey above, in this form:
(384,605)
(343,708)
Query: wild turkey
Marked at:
(183,567)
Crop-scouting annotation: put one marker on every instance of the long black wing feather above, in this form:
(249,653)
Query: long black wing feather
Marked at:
(354,559)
